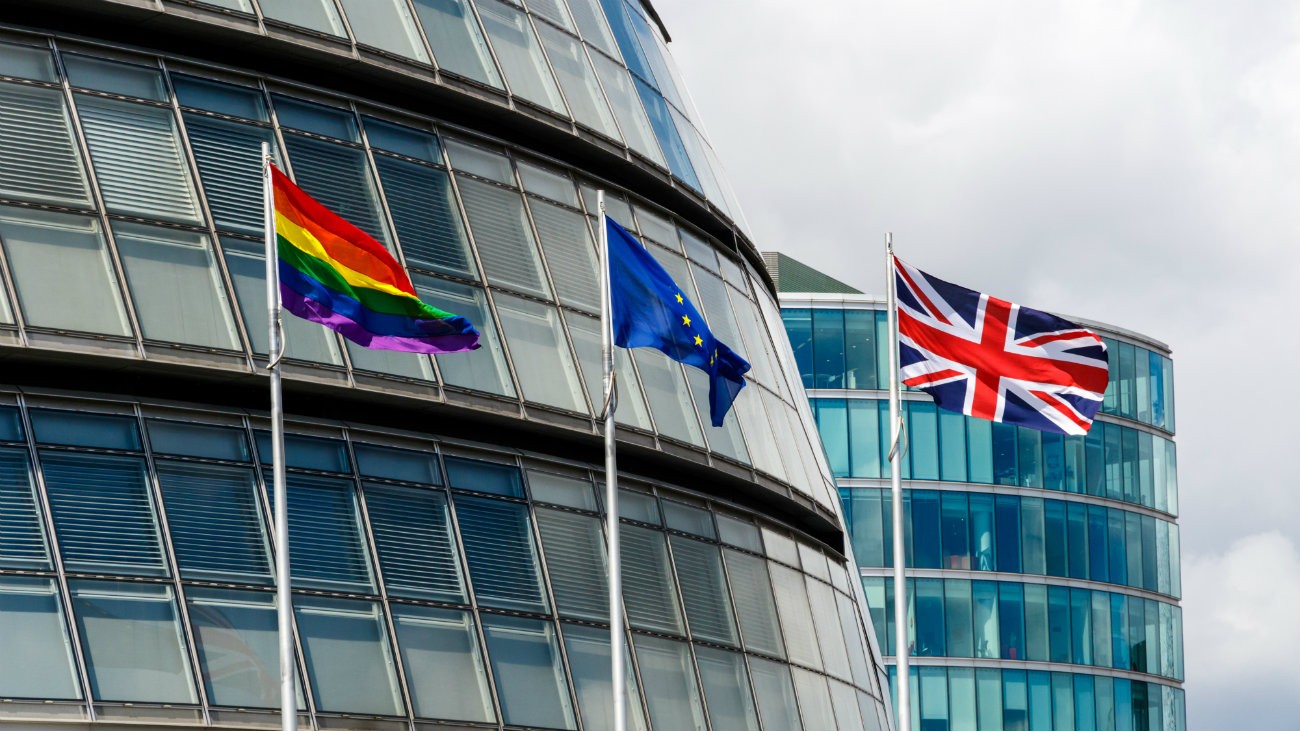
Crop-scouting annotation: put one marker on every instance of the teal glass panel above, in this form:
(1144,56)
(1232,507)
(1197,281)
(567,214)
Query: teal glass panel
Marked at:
(349,660)
(588,653)
(1129,464)
(1127,402)
(1101,636)
(832,424)
(1053,461)
(1040,701)
(923,431)
(11,425)
(1015,700)
(1058,623)
(397,464)
(440,652)
(961,700)
(930,633)
(860,350)
(1029,450)
(198,440)
(957,618)
(983,547)
(863,514)
(37,661)
(1116,547)
(933,696)
(238,652)
(955,530)
(499,548)
(80,429)
(481,476)
(1080,626)
(103,514)
(1145,470)
(1033,549)
(1062,702)
(133,644)
(1077,539)
(1005,454)
(984,596)
(952,446)
(1036,623)
(1056,538)
(798,327)
(215,520)
(309,453)
(979,440)
(457,40)
(22,539)
(1094,450)
(926,540)
(866,459)
(828,348)
(1076,463)
(988,684)
(1011,620)
(1098,560)
(882,347)
(1007,510)
(215,96)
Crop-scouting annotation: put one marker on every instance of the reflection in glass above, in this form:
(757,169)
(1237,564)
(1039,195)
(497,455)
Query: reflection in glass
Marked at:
(103,515)
(215,522)
(775,694)
(456,40)
(386,25)
(238,650)
(627,108)
(520,54)
(132,641)
(726,689)
(588,652)
(578,80)
(37,660)
(537,340)
(441,657)
(529,675)
(669,682)
(348,658)
(318,15)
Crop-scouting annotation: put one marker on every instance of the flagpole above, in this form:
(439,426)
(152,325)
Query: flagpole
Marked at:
(616,639)
(283,598)
(895,455)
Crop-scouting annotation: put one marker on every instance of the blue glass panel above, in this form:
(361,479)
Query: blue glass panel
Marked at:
(1076,464)
(1085,707)
(214,96)
(1005,454)
(238,652)
(499,548)
(1053,460)
(828,348)
(215,522)
(38,656)
(860,349)
(1077,539)
(326,548)
(403,140)
(925,529)
(1116,547)
(22,540)
(529,672)
(1029,450)
(1129,463)
(1011,620)
(625,36)
(1040,701)
(1055,538)
(1058,623)
(1114,485)
(103,515)
(864,439)
(77,429)
(798,327)
(1062,702)
(349,660)
(923,430)
(832,424)
(1094,481)
(132,640)
(1036,624)
(1156,372)
(1015,700)
(955,528)
(1123,705)
(666,132)
(198,440)
(979,438)
(480,476)
(1098,561)
(952,446)
(1150,574)
(317,118)
(1008,533)
(1081,626)
(1145,469)
(309,453)
(417,549)
(397,464)
(1133,548)
(1127,401)
(11,425)
(930,631)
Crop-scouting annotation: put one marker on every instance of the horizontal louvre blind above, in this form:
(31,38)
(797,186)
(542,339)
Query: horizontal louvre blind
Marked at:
(215,522)
(704,590)
(338,177)
(570,254)
(138,159)
(576,560)
(552,10)
(102,513)
(647,583)
(416,548)
(326,549)
(38,157)
(499,548)
(229,156)
(496,217)
(22,542)
(428,223)
(754,605)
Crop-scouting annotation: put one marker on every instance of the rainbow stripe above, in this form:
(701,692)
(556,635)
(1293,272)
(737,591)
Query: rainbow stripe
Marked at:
(334,273)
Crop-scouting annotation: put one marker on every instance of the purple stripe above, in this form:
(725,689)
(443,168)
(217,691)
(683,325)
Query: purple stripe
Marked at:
(310,309)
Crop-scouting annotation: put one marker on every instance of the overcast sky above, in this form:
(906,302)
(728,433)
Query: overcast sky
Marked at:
(1136,163)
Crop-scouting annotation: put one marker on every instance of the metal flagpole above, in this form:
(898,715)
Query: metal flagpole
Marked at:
(616,640)
(283,598)
(895,455)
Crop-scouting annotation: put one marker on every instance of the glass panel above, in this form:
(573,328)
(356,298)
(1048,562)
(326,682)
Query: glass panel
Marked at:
(627,107)
(326,548)
(425,216)
(708,604)
(588,652)
(1036,622)
(319,15)
(103,515)
(826,620)
(22,539)
(11,428)
(482,476)
(80,429)
(796,619)
(397,464)
(132,641)
(238,649)
(386,25)
(520,54)
(215,522)
(215,96)
(669,680)
(340,179)
(44,247)
(456,40)
(664,385)
(929,613)
(775,694)
(570,254)
(957,618)
(499,548)
(815,701)
(115,78)
(37,659)
(537,340)
(1011,620)
(197,440)
(440,653)
(483,369)
(503,236)
(417,550)
(153,184)
(38,155)
(648,593)
(309,453)
(961,699)
(726,689)
(578,80)
(561,490)
(575,558)
(828,344)
(985,614)
(529,675)
(304,340)
(632,409)
(27,62)
(755,607)
(348,658)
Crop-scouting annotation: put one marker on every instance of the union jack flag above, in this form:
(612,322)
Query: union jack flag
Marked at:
(993,359)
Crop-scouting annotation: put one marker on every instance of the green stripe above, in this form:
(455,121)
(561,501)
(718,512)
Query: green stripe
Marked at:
(372,299)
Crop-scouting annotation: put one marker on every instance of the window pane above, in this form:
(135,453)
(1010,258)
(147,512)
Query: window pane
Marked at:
(386,25)
(627,107)
(27,62)
(483,369)
(325,543)
(82,429)
(499,548)
(669,682)
(544,364)
(37,660)
(1036,623)
(456,40)
(348,658)
(957,618)
(985,605)
(562,490)
(47,247)
(22,539)
(103,514)
(304,340)
(198,440)
(796,619)
(178,291)
(153,185)
(38,156)
(588,651)
(648,592)
(632,409)
(570,254)
(417,550)
(339,178)
(215,96)
(704,590)
(440,654)
(755,606)
(318,15)
(815,700)
(113,77)
(308,453)
(483,476)
(215,522)
(832,424)
(575,557)
(238,648)
(665,385)
(725,440)
(1011,620)
(397,464)
(426,217)
(132,641)
(520,54)
(578,80)
(826,620)
(503,237)
(530,679)
(726,689)
(775,693)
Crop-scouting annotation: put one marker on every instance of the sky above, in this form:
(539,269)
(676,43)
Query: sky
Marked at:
(1132,162)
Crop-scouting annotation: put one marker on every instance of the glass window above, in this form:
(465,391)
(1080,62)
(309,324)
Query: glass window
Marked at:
(83,429)
(503,236)
(815,701)
(499,549)
(456,40)
(416,546)
(832,424)
(215,522)
(828,348)
(483,369)
(215,96)
(425,216)
(520,54)
(562,490)
(1011,619)
(1077,539)
(1007,511)
(304,340)
(115,78)
(1115,547)
(348,658)
(397,464)
(1005,454)
(627,108)
(1098,562)
(11,428)
(775,695)
(440,653)
(529,676)
(44,247)
(755,607)
(537,340)
(726,689)
(1029,449)
(704,592)
(956,532)
(796,619)
(670,141)
(588,652)
(669,681)
(864,517)
(483,476)
(1032,538)
(1056,538)
(386,25)
(957,618)
(318,15)
(1058,623)
(26,62)
(38,155)
(309,453)
(648,593)
(930,632)
(984,603)
(926,545)
(176,286)
(339,177)
(570,254)
(103,514)
(38,656)
(1101,636)
(1062,702)
(979,436)
(1036,624)
(961,699)
(664,385)
(22,540)
(923,448)
(197,440)
(632,410)
(326,547)
(132,641)
(798,327)
(578,80)
(238,649)
(575,558)
(1040,700)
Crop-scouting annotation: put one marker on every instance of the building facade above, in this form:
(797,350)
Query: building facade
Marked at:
(1043,571)
(445,513)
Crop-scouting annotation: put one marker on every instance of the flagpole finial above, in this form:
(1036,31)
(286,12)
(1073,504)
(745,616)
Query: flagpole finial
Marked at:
(889,242)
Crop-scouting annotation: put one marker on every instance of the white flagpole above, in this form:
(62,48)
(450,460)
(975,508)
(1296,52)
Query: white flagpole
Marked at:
(283,598)
(895,455)
(616,638)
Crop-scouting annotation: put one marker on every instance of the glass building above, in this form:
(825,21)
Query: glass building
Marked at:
(445,513)
(1043,570)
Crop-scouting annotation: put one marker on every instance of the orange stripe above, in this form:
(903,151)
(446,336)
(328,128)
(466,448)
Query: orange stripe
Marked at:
(345,243)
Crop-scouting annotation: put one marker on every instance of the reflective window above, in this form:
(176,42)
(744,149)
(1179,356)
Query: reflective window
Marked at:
(575,558)
(570,254)
(22,539)
(38,155)
(726,689)
(27,62)
(417,549)
(215,522)
(648,592)
(536,339)
(499,549)
(103,514)
(238,651)
(520,54)
(529,675)
(397,464)
(483,369)
(318,15)
(340,179)
(578,80)
(215,96)
(198,440)
(814,701)
(669,681)
(348,658)
(326,547)
(627,108)
(588,652)
(775,694)
(456,40)
(386,25)
(704,592)
(664,385)
(632,409)
(441,656)
(116,78)
(503,236)
(37,661)
(425,216)
(796,618)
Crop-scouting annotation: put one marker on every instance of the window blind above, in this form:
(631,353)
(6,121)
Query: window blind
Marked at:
(499,549)
(103,516)
(496,216)
(648,592)
(338,177)
(576,561)
(570,254)
(754,605)
(22,541)
(215,522)
(327,551)
(425,215)
(38,158)
(416,548)
(704,590)
(229,159)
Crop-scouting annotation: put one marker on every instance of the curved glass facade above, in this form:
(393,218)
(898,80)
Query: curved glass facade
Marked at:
(444,511)
(1043,570)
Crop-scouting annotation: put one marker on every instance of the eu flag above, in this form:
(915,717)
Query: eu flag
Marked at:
(651,311)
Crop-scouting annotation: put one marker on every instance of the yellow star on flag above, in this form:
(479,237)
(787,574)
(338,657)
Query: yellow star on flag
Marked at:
(699,341)
(679,298)
(686,320)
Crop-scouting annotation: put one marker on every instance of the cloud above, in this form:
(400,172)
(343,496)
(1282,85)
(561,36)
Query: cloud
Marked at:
(1241,608)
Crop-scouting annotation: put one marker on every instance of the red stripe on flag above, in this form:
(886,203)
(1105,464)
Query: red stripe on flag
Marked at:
(925,301)
(1055,402)
(931,377)
(1053,337)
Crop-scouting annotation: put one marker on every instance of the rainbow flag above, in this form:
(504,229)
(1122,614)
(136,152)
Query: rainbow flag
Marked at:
(334,273)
